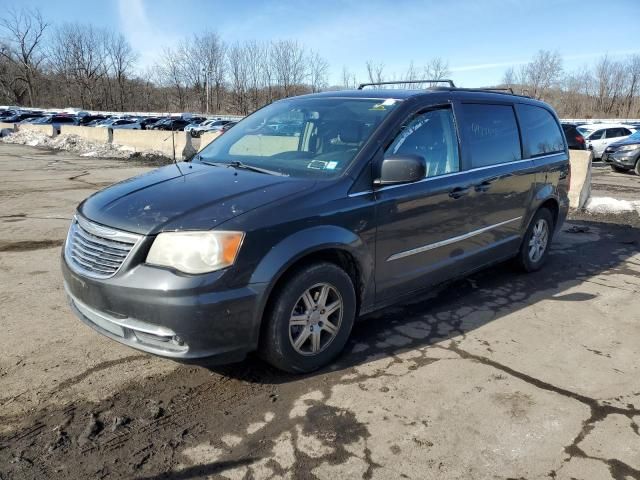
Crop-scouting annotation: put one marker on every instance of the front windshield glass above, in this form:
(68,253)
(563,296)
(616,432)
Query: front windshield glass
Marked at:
(301,137)
(634,136)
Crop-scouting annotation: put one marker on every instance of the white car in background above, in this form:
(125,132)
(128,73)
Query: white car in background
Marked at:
(599,135)
(212,125)
(121,123)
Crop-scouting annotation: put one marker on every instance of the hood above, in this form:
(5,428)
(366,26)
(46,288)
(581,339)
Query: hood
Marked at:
(186,196)
(626,141)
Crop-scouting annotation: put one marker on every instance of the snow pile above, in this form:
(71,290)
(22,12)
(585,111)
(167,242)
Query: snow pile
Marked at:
(76,144)
(608,205)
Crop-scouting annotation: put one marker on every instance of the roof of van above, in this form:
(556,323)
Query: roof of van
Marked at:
(401,94)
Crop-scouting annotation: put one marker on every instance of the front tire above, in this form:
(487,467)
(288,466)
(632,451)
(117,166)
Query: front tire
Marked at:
(537,240)
(637,169)
(310,319)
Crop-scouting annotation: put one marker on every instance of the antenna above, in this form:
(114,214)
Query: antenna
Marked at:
(173,142)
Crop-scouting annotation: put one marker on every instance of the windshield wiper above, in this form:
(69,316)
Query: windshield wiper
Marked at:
(244,166)
(240,165)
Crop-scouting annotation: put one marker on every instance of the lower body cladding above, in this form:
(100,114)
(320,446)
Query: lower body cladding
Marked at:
(145,310)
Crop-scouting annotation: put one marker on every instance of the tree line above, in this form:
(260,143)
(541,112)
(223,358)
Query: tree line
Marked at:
(80,65)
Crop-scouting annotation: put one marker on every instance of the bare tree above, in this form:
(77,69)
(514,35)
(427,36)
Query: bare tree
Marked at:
(542,73)
(21,50)
(318,72)
(288,59)
(170,73)
(375,71)
(437,69)
(212,51)
(349,80)
(633,83)
(79,53)
(239,78)
(120,62)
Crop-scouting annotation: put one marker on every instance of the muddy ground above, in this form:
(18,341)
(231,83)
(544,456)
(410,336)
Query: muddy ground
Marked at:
(501,375)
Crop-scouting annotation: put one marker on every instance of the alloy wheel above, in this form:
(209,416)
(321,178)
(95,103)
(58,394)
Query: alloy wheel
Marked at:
(539,240)
(315,319)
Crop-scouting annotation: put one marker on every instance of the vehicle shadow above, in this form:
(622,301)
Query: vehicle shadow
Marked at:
(582,250)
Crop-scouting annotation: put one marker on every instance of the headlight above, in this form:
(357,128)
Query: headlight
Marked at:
(628,148)
(195,252)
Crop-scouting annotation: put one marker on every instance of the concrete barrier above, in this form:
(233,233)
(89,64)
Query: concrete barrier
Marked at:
(8,126)
(93,134)
(46,129)
(580,188)
(206,138)
(158,140)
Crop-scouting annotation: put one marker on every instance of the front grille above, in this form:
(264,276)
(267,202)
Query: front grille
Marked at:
(97,251)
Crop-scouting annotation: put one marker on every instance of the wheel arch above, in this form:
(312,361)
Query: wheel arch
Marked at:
(318,244)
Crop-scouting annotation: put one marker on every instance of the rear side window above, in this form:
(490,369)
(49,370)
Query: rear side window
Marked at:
(492,134)
(540,132)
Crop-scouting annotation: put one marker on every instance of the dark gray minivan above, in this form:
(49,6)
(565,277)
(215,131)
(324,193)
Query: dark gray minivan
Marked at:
(312,211)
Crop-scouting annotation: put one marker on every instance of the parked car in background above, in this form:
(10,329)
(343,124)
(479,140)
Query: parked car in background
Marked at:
(575,139)
(175,124)
(213,125)
(599,135)
(8,113)
(277,243)
(56,121)
(86,120)
(125,124)
(147,122)
(195,122)
(624,155)
(21,117)
(227,126)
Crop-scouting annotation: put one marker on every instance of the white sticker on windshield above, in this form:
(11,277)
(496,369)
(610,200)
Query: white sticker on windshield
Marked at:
(389,101)
(331,165)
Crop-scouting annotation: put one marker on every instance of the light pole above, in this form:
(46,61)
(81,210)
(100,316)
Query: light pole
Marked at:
(207,74)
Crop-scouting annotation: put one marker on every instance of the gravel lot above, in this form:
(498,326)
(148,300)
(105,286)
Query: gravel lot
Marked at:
(501,375)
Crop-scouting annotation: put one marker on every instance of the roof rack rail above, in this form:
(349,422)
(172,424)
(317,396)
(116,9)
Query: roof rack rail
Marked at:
(402,82)
(498,89)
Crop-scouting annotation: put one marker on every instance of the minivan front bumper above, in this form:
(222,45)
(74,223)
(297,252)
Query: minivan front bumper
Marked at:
(167,314)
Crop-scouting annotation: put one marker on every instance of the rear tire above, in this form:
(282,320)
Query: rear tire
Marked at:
(536,242)
(310,319)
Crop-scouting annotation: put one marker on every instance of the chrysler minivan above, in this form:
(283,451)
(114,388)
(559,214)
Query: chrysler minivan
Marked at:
(276,239)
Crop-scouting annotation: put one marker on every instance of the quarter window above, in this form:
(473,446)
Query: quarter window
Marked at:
(492,134)
(540,132)
(432,135)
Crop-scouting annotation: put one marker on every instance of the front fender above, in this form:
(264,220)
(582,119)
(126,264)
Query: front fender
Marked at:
(315,239)
(305,242)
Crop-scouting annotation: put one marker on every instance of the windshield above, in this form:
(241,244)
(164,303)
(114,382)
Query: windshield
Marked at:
(585,131)
(301,137)
(634,136)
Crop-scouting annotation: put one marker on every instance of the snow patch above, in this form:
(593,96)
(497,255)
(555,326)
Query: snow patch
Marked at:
(76,144)
(608,205)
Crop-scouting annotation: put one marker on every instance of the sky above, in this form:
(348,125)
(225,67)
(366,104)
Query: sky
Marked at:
(479,39)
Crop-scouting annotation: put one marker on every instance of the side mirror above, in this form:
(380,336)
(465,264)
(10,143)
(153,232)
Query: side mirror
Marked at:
(397,169)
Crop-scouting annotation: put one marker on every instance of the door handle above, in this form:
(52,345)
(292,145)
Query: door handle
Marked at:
(484,186)
(459,192)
